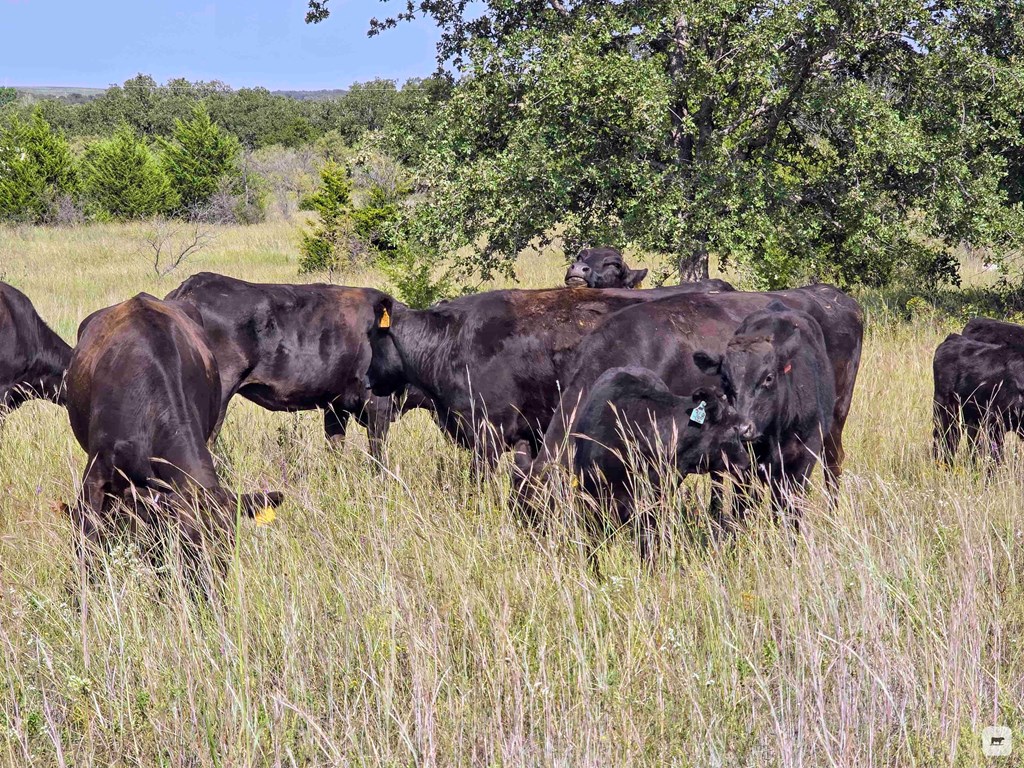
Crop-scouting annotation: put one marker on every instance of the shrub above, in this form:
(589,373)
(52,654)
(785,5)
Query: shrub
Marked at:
(288,175)
(376,222)
(121,178)
(36,170)
(198,159)
(411,274)
(322,245)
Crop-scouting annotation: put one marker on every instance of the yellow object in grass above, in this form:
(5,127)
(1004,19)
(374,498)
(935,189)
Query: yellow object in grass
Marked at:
(265,516)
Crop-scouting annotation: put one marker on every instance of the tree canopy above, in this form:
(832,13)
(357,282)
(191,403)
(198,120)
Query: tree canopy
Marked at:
(829,139)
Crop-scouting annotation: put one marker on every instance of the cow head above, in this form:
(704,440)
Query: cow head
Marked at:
(718,444)
(756,365)
(386,374)
(602,268)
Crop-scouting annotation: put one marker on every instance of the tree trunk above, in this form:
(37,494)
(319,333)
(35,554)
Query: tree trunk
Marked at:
(693,261)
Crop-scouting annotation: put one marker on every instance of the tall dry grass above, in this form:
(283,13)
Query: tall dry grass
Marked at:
(403,618)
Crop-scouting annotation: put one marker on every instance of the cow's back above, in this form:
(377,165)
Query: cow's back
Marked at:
(142,370)
(997,332)
(29,348)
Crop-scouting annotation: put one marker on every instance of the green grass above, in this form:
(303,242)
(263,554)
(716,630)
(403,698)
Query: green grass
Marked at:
(405,619)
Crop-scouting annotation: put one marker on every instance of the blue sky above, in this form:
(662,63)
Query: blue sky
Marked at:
(240,42)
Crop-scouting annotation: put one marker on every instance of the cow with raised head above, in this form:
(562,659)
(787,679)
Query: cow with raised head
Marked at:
(33,359)
(978,387)
(776,372)
(631,426)
(295,348)
(144,395)
(602,268)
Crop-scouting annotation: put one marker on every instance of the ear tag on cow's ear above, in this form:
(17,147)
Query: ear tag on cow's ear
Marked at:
(265,516)
(788,368)
(699,414)
(385,319)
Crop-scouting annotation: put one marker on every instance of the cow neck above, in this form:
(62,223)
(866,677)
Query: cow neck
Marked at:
(424,359)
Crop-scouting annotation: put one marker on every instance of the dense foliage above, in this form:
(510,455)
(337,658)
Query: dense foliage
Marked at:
(858,142)
(199,159)
(123,180)
(36,170)
(323,246)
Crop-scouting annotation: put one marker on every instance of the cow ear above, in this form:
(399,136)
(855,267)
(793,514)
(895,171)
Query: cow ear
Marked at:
(634,277)
(707,362)
(383,313)
(714,402)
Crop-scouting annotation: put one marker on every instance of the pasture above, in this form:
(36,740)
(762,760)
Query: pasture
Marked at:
(404,618)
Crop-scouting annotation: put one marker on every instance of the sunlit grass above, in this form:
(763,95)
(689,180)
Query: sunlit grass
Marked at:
(403,618)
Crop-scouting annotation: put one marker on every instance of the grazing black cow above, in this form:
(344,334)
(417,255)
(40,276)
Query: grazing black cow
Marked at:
(777,372)
(631,423)
(33,358)
(295,348)
(998,332)
(663,335)
(144,395)
(602,268)
(978,387)
(492,362)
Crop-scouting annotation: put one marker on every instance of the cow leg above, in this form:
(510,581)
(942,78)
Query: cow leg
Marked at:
(946,433)
(375,417)
(833,457)
(649,537)
(335,424)
(995,432)
(87,522)
(976,439)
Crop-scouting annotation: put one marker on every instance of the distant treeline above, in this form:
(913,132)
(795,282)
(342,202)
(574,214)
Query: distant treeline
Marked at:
(256,116)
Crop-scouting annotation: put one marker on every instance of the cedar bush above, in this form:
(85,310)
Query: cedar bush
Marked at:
(199,159)
(332,202)
(36,170)
(122,179)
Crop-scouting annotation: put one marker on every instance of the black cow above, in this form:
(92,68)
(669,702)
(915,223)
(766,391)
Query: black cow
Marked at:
(998,332)
(978,387)
(663,335)
(33,358)
(630,424)
(777,372)
(144,395)
(602,268)
(295,348)
(492,362)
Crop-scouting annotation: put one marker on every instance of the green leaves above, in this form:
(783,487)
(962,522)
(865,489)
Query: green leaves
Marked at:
(122,179)
(322,246)
(198,159)
(36,169)
(826,140)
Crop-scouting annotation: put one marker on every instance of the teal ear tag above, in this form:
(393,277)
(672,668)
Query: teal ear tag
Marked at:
(698,414)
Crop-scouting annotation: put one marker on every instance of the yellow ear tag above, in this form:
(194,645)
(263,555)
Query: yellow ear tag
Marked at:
(265,516)
(385,319)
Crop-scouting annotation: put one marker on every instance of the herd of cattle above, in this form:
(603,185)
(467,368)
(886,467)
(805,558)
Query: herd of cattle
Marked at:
(600,378)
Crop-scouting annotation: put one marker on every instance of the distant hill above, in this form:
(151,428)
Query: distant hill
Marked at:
(76,95)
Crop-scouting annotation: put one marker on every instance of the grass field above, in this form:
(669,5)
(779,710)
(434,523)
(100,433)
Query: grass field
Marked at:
(404,619)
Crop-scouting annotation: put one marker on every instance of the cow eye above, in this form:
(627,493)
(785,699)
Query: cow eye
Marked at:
(768,380)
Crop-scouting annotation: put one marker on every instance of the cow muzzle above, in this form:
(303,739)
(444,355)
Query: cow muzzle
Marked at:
(747,430)
(578,275)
